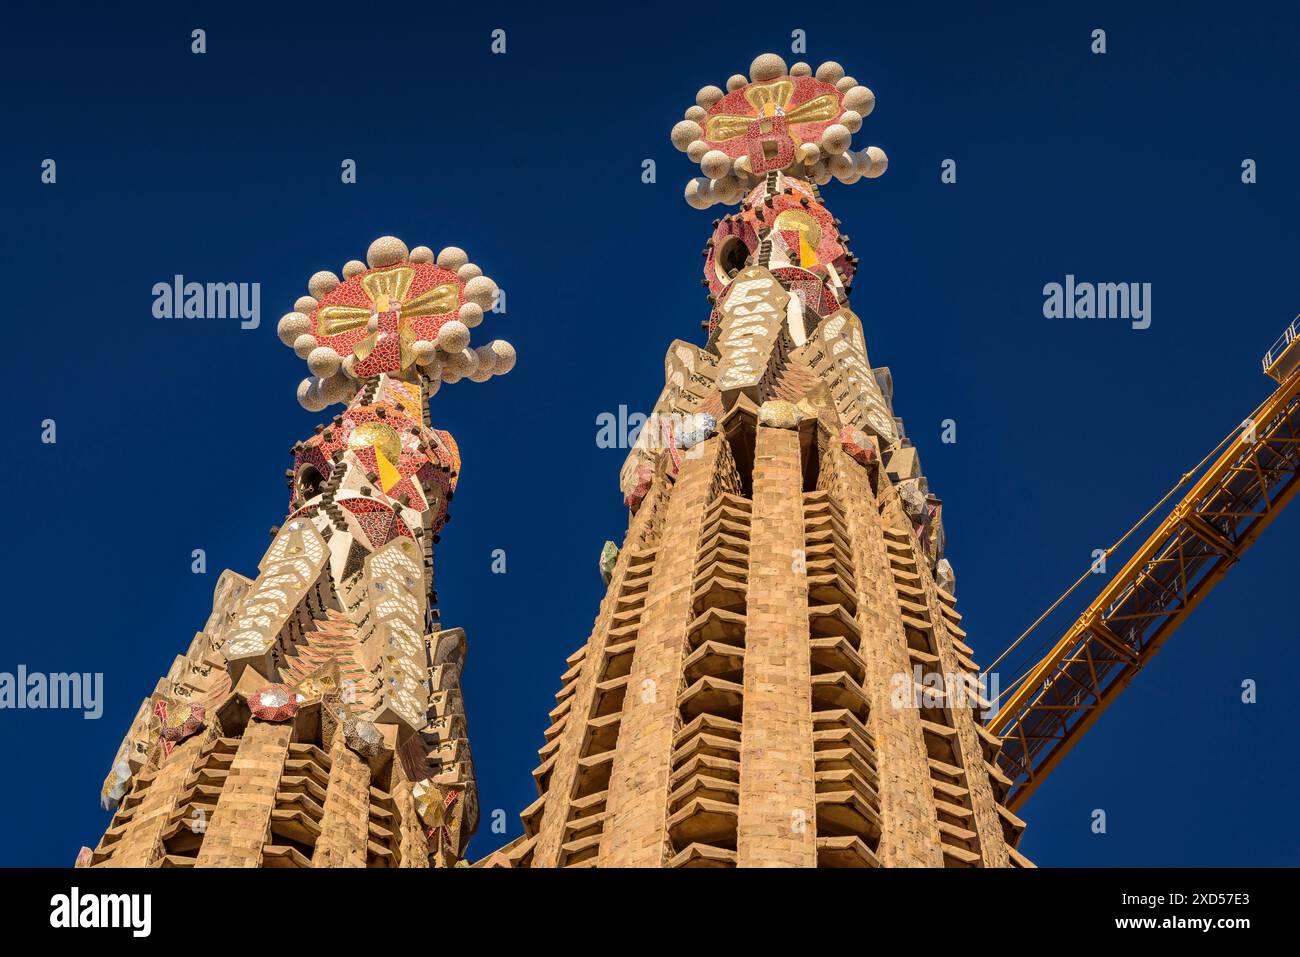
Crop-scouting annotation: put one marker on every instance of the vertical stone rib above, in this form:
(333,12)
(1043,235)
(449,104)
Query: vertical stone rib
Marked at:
(141,845)
(414,846)
(636,832)
(777,790)
(986,822)
(910,835)
(241,824)
(345,826)
(550,835)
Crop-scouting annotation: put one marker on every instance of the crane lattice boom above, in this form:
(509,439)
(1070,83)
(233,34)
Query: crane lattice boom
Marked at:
(1121,630)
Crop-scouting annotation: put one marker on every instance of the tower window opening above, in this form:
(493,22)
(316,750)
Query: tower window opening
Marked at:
(731,257)
(740,435)
(810,455)
(310,482)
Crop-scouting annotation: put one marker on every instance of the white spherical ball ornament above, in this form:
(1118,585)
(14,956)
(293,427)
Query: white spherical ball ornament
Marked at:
(821,175)
(685,133)
(469,271)
(728,188)
(353,267)
(321,283)
(809,153)
(696,114)
(877,162)
(462,363)
(697,193)
(336,388)
(707,96)
(481,290)
(453,336)
(312,400)
(450,375)
(767,66)
(323,361)
(424,350)
(304,344)
(736,81)
(860,100)
(471,313)
(742,166)
(505,356)
(695,152)
(487,361)
(386,251)
(453,257)
(456,361)
(466,361)
(291,326)
(841,165)
(801,69)
(836,139)
(850,120)
(305,304)
(715,164)
(845,83)
(830,71)
(851,177)
(421,254)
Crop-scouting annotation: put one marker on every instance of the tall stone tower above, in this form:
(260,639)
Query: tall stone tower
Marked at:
(777,675)
(317,719)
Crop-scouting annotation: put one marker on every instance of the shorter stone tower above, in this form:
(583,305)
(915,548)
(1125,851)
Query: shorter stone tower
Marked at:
(317,719)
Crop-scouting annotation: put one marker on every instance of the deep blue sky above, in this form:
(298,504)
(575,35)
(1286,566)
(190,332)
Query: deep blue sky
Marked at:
(173,435)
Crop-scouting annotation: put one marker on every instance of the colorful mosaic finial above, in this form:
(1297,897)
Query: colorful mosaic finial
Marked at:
(776,120)
(400,314)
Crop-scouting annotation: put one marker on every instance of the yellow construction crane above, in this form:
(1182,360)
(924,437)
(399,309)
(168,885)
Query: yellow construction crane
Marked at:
(1051,705)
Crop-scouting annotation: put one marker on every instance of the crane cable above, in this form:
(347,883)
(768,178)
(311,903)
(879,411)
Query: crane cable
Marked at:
(1084,577)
